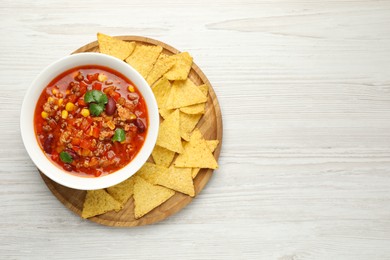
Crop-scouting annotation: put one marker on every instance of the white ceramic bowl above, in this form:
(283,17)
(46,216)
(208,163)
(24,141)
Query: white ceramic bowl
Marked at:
(27,117)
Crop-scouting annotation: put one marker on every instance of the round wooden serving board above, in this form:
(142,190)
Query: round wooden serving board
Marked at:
(211,127)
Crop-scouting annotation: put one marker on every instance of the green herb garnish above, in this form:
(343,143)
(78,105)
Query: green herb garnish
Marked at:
(96,109)
(66,157)
(96,100)
(119,135)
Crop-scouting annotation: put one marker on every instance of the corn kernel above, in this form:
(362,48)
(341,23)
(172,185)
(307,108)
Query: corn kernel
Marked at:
(132,116)
(44,115)
(84,112)
(60,101)
(64,114)
(69,106)
(102,77)
(111,125)
(54,91)
(131,88)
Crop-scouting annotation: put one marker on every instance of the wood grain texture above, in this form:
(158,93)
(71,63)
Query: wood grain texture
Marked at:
(210,125)
(304,88)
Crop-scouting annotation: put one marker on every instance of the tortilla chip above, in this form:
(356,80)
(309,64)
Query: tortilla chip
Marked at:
(184,93)
(148,196)
(165,112)
(115,47)
(204,88)
(162,156)
(194,172)
(212,145)
(98,202)
(162,65)
(196,153)
(181,68)
(150,172)
(187,124)
(194,109)
(122,191)
(169,133)
(178,179)
(161,91)
(143,58)
(197,108)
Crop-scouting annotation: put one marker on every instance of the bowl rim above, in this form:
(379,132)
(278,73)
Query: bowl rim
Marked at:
(30,141)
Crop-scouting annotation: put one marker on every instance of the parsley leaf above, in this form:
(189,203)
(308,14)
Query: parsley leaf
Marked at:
(96,109)
(66,157)
(119,135)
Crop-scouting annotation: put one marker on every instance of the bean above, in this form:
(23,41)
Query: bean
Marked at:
(47,145)
(111,106)
(68,167)
(140,125)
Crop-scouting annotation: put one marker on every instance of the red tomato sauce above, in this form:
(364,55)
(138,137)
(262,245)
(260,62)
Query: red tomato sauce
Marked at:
(91,121)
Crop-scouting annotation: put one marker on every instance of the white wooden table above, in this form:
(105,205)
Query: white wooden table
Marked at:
(304,88)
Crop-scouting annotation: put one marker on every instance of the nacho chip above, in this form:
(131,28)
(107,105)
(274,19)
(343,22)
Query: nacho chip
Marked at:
(143,58)
(98,202)
(212,145)
(196,153)
(161,91)
(187,124)
(181,68)
(122,191)
(162,156)
(115,47)
(204,88)
(197,108)
(169,133)
(184,93)
(162,65)
(194,109)
(148,196)
(194,172)
(150,172)
(165,112)
(178,179)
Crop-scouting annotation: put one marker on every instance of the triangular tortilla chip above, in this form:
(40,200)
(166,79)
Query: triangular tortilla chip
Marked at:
(181,68)
(115,47)
(194,172)
(194,109)
(122,191)
(178,179)
(162,156)
(184,93)
(165,112)
(187,124)
(197,108)
(196,153)
(148,196)
(161,91)
(169,133)
(150,172)
(98,202)
(204,88)
(143,58)
(212,145)
(162,65)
